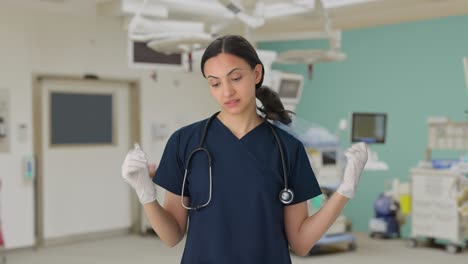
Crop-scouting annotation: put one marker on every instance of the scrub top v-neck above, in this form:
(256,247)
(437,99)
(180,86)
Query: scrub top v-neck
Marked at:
(244,221)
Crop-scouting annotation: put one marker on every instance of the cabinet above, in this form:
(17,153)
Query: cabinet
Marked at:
(435,211)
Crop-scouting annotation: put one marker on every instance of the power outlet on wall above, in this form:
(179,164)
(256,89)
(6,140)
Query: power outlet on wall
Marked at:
(4,121)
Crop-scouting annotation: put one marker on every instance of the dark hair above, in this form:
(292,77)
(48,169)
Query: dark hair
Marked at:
(238,46)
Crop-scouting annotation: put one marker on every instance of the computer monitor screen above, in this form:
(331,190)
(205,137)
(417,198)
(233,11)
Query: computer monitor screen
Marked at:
(140,56)
(289,88)
(369,127)
(328,158)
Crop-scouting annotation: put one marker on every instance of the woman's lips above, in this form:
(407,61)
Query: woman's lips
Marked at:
(232,103)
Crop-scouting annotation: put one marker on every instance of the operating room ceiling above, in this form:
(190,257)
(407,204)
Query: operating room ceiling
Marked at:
(359,15)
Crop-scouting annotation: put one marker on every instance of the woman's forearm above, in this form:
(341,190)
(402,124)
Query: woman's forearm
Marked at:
(313,227)
(163,223)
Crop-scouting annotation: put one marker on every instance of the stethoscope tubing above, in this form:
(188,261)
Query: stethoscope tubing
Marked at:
(286,195)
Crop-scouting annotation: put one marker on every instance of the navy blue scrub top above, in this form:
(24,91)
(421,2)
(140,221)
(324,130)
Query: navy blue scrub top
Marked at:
(244,221)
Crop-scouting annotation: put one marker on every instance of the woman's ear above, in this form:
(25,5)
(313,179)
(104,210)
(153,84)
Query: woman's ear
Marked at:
(258,73)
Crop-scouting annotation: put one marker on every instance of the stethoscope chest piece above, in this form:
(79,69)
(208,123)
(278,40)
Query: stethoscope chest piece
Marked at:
(286,196)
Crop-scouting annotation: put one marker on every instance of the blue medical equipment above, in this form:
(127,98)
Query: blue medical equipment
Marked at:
(286,195)
(385,224)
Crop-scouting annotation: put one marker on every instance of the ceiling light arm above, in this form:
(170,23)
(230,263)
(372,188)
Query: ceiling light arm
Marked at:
(334,40)
(133,23)
(251,21)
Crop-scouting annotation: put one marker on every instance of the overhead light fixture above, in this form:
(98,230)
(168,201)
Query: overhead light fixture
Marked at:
(289,8)
(145,26)
(151,9)
(284,9)
(132,7)
(310,56)
(339,3)
(210,8)
(237,10)
(182,43)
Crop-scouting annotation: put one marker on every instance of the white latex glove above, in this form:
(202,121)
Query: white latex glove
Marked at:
(135,172)
(357,158)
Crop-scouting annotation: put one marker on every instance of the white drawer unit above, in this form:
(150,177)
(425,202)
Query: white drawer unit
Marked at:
(435,211)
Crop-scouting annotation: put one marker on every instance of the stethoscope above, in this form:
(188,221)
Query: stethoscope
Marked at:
(286,195)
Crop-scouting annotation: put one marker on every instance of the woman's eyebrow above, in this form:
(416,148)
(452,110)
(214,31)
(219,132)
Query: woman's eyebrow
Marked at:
(211,76)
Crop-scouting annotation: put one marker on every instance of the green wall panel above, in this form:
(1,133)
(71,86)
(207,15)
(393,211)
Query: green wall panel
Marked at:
(411,71)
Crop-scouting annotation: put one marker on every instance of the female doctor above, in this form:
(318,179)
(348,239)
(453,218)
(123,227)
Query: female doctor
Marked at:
(242,182)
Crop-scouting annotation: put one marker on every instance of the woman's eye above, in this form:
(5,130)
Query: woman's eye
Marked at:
(237,79)
(215,84)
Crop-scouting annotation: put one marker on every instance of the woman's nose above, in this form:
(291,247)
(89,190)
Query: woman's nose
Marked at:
(228,90)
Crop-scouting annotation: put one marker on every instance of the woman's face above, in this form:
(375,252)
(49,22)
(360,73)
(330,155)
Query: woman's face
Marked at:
(232,82)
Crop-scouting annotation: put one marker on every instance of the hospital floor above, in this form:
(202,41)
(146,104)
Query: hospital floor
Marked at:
(150,250)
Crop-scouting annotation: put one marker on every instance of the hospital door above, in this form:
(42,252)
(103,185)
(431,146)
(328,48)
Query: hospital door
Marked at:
(84,134)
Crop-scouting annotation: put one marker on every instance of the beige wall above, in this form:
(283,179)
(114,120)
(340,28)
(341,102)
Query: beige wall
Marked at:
(32,44)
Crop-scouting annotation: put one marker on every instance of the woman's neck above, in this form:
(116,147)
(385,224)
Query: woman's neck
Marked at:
(240,124)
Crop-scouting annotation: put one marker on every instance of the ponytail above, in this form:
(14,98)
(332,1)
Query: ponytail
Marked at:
(272,108)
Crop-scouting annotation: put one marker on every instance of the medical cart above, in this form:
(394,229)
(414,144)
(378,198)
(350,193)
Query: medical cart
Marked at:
(437,193)
(435,210)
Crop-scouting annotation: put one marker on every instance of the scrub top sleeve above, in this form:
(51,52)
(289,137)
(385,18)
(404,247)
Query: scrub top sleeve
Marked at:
(169,174)
(302,179)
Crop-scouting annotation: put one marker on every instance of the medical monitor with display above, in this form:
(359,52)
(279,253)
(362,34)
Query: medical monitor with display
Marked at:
(369,127)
